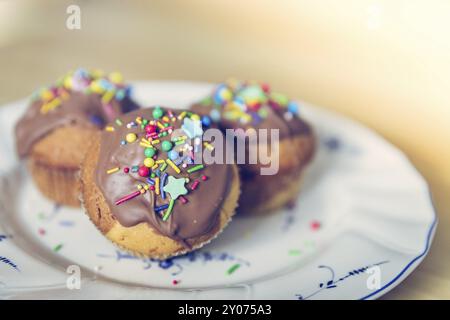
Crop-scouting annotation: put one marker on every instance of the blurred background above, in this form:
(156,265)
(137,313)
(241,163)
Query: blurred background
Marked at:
(383,63)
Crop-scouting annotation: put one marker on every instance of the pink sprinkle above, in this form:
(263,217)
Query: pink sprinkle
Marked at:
(128,197)
(315,225)
(204,178)
(195,185)
(175,282)
(183,199)
(126,169)
(152,188)
(41,231)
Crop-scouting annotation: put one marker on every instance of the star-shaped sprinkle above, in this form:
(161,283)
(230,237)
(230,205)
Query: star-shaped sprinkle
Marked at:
(175,187)
(193,128)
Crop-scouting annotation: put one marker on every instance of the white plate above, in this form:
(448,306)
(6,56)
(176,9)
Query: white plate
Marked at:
(363,205)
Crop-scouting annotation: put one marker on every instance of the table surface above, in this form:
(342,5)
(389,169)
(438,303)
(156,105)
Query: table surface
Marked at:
(386,65)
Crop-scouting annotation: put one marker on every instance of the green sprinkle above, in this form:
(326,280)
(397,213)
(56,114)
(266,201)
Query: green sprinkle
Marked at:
(149,152)
(233,268)
(169,210)
(41,216)
(166,146)
(294,252)
(164,166)
(158,113)
(196,168)
(119,122)
(58,247)
(177,143)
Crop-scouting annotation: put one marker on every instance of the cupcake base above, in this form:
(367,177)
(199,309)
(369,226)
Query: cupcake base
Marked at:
(57,184)
(267,193)
(54,163)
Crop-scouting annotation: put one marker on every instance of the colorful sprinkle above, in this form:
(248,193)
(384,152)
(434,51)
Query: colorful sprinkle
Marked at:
(169,210)
(195,184)
(195,168)
(131,137)
(112,170)
(157,113)
(149,162)
(149,152)
(128,197)
(58,247)
(315,225)
(233,268)
(166,146)
(173,166)
(144,171)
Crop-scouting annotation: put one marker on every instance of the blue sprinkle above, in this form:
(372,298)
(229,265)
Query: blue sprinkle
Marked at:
(206,121)
(162,207)
(161,185)
(293,107)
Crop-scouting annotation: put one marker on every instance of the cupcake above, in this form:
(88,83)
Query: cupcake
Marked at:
(145,188)
(54,133)
(251,106)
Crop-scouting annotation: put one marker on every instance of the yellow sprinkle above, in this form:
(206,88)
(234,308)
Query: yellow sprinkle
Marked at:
(146,187)
(109,128)
(68,82)
(173,166)
(160,161)
(165,119)
(155,141)
(47,95)
(96,87)
(157,185)
(131,137)
(155,166)
(208,146)
(112,170)
(160,125)
(182,115)
(139,120)
(149,162)
(116,77)
(50,105)
(108,96)
(146,145)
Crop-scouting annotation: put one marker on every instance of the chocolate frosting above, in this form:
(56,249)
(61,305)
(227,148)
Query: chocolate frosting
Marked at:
(199,216)
(80,108)
(279,113)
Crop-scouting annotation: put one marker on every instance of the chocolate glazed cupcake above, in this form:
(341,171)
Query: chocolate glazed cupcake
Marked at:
(54,132)
(245,105)
(145,192)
